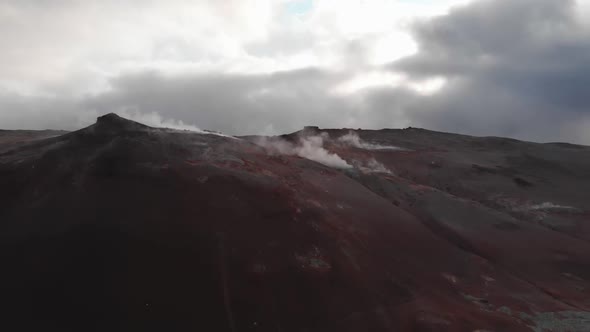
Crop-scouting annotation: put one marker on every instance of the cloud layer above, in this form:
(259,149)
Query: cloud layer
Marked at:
(513,68)
(517,68)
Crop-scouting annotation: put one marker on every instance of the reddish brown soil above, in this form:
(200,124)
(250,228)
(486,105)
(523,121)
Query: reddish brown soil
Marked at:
(119,226)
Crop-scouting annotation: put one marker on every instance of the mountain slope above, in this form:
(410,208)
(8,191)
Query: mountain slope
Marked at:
(120,226)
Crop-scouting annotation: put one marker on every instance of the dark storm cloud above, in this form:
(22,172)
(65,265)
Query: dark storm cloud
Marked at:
(232,103)
(519,68)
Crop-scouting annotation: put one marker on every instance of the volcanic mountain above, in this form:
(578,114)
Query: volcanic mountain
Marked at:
(124,227)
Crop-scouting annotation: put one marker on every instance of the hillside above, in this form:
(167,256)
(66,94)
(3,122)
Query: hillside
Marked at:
(121,226)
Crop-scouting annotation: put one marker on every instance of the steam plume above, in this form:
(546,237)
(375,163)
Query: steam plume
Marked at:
(353,139)
(311,147)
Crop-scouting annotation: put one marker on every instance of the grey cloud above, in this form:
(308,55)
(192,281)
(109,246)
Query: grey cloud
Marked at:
(240,104)
(487,33)
(519,68)
(231,103)
(514,68)
(37,113)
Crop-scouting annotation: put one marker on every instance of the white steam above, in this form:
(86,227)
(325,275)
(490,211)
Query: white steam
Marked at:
(548,206)
(373,166)
(311,147)
(353,139)
(154,119)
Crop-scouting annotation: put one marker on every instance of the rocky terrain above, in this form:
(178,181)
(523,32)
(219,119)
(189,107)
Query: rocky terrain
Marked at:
(124,227)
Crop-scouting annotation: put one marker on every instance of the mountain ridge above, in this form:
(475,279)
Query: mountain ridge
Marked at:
(125,226)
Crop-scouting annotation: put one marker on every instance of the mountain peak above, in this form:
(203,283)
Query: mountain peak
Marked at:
(110,117)
(113,122)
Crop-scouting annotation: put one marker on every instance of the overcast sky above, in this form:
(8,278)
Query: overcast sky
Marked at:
(517,68)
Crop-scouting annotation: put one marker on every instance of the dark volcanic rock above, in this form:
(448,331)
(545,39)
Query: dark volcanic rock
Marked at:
(112,123)
(120,226)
